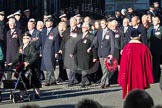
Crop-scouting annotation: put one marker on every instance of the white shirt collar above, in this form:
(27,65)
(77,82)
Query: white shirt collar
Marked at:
(105,29)
(12,30)
(49,29)
(155,27)
(135,26)
(31,31)
(84,34)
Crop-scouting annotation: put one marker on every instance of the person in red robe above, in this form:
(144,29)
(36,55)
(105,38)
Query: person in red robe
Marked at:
(135,66)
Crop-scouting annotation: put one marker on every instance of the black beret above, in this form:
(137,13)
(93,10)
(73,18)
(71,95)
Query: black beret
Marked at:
(135,32)
(26,34)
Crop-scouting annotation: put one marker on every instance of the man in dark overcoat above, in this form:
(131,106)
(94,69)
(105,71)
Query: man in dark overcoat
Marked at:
(50,46)
(12,42)
(67,46)
(84,60)
(154,36)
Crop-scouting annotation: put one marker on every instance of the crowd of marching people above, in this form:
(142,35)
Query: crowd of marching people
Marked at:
(80,46)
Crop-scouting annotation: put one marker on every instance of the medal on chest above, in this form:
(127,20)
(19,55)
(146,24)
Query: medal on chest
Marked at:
(14,35)
(74,35)
(85,41)
(51,36)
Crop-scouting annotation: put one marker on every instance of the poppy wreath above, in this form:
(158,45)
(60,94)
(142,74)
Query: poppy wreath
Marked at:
(19,68)
(111,64)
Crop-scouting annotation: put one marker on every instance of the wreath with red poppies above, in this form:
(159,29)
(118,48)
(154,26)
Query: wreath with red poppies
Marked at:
(111,64)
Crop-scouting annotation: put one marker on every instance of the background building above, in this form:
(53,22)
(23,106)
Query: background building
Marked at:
(94,8)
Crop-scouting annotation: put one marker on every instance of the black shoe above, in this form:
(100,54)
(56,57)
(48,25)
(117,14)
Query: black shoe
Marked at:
(70,85)
(20,99)
(47,84)
(102,86)
(108,85)
(37,96)
(83,85)
(53,83)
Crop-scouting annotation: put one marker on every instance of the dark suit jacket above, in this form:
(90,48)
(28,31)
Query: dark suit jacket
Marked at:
(35,34)
(84,60)
(127,35)
(67,47)
(106,46)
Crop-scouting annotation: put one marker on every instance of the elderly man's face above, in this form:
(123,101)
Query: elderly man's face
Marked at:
(125,22)
(73,22)
(12,24)
(84,28)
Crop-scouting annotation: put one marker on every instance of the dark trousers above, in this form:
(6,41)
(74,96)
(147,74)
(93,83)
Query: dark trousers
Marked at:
(160,83)
(156,67)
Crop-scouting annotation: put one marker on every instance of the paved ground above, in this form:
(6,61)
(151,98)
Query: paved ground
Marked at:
(63,97)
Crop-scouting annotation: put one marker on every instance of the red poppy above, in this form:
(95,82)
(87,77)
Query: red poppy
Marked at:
(111,64)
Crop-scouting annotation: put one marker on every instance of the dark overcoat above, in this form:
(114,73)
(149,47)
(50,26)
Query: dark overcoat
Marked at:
(50,47)
(84,60)
(67,46)
(13,44)
(29,55)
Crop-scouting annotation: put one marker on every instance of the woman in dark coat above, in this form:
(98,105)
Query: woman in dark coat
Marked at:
(28,56)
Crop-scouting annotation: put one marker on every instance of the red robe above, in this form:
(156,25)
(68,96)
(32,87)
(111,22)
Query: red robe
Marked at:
(135,68)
